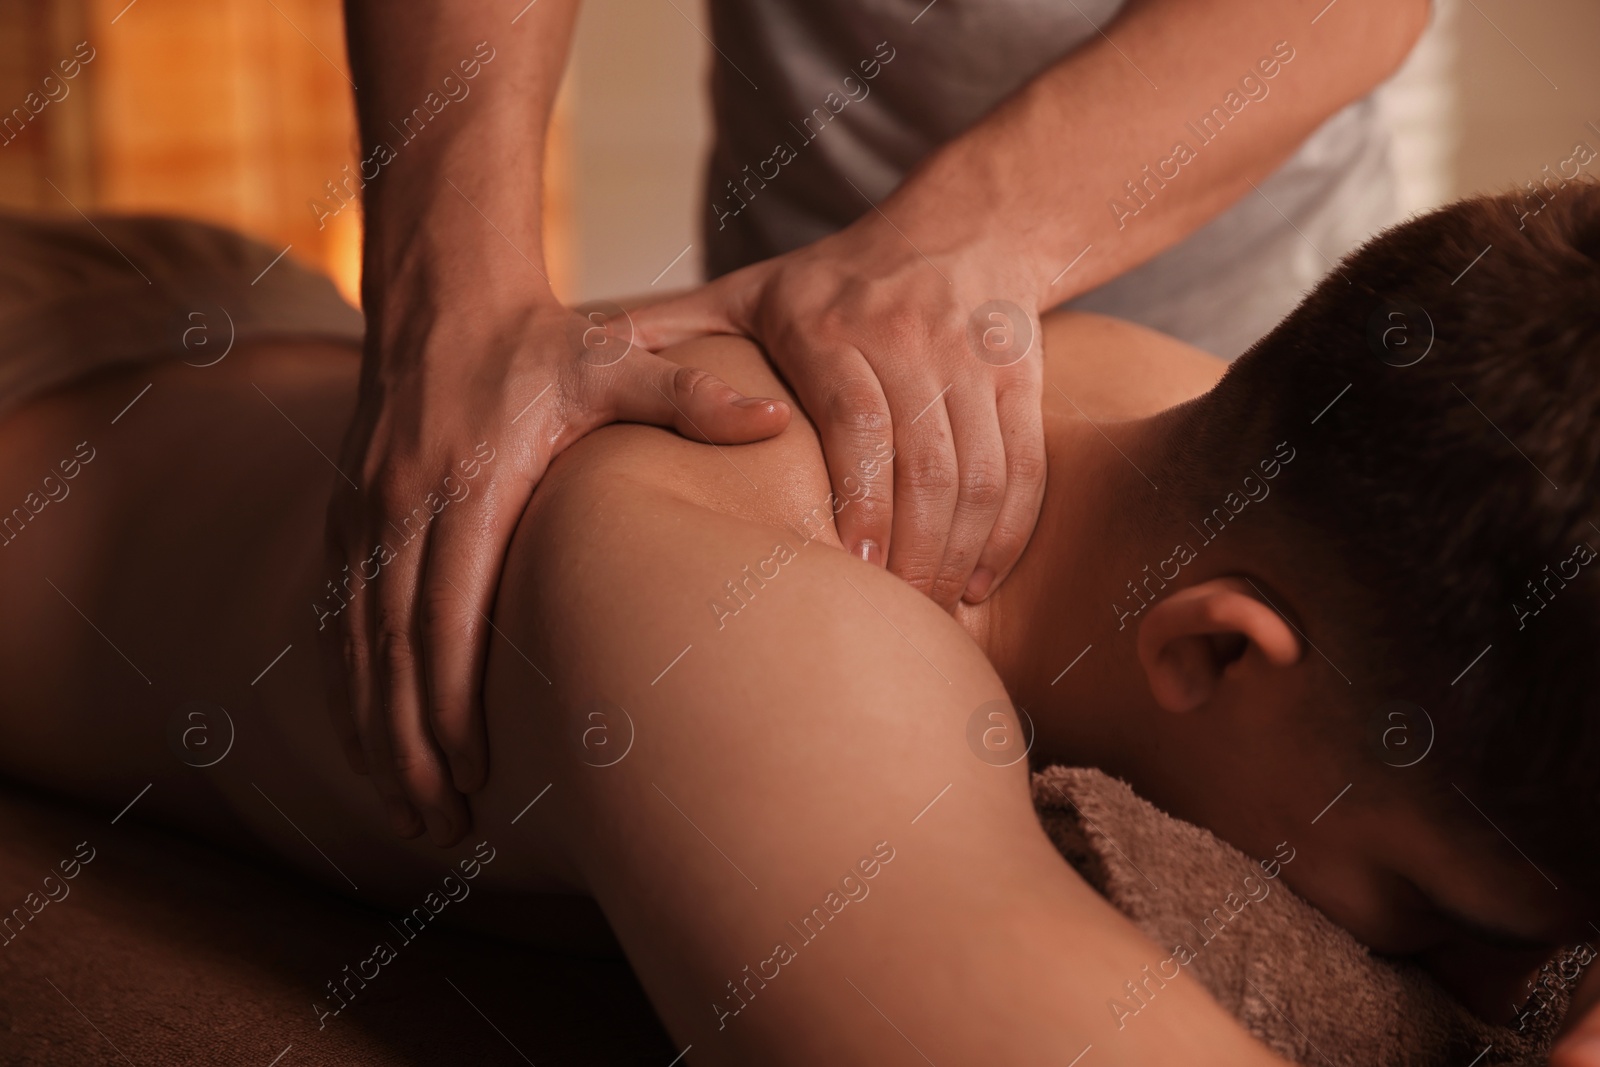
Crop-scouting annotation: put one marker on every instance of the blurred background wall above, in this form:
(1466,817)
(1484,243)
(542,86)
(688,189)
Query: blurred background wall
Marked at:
(235,111)
(239,111)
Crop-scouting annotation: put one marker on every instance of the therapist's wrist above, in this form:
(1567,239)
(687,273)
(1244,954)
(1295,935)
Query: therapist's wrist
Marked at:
(960,203)
(445,307)
(436,208)
(454,246)
(449,267)
(1018,176)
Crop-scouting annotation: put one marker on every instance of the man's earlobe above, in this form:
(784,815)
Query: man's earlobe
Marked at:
(1187,642)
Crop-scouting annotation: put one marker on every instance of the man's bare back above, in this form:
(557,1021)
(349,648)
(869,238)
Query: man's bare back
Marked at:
(192,534)
(767,750)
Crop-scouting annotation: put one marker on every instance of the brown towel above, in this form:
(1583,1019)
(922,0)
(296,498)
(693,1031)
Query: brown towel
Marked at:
(178,954)
(1301,984)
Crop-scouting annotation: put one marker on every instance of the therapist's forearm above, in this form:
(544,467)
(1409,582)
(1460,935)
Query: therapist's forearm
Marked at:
(479,157)
(464,337)
(1040,173)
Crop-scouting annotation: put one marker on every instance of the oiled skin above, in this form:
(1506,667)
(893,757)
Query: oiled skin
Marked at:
(786,746)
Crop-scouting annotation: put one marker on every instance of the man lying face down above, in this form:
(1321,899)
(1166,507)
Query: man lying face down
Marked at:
(1337,606)
(1373,634)
(1338,603)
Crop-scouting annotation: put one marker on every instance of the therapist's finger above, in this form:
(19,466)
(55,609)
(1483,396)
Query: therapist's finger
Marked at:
(361,671)
(394,629)
(466,547)
(696,403)
(1021,426)
(980,486)
(927,486)
(334,649)
(841,393)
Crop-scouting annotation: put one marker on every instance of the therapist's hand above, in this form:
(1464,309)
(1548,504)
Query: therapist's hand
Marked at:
(1038,202)
(465,399)
(920,367)
(474,377)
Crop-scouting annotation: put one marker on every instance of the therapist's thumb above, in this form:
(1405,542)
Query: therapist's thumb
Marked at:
(715,308)
(696,403)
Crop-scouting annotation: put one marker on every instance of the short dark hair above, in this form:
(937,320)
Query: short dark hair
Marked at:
(1441,389)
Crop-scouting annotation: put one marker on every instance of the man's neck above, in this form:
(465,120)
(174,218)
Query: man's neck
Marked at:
(1051,630)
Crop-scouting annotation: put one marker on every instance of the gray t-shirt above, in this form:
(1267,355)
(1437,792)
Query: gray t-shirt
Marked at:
(824,105)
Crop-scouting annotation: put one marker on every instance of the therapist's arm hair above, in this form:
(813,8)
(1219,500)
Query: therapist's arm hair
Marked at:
(1054,159)
(502,81)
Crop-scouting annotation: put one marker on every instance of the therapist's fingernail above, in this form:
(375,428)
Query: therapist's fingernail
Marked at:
(978,585)
(753,401)
(867,552)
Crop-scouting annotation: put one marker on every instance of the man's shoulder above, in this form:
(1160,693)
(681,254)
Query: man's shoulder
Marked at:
(1114,369)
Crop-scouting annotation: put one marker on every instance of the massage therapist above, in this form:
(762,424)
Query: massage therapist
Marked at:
(897,189)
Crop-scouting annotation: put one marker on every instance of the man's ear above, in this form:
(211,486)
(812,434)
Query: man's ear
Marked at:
(1188,641)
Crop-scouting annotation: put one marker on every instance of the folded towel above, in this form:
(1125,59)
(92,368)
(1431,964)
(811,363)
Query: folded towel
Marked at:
(1297,981)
